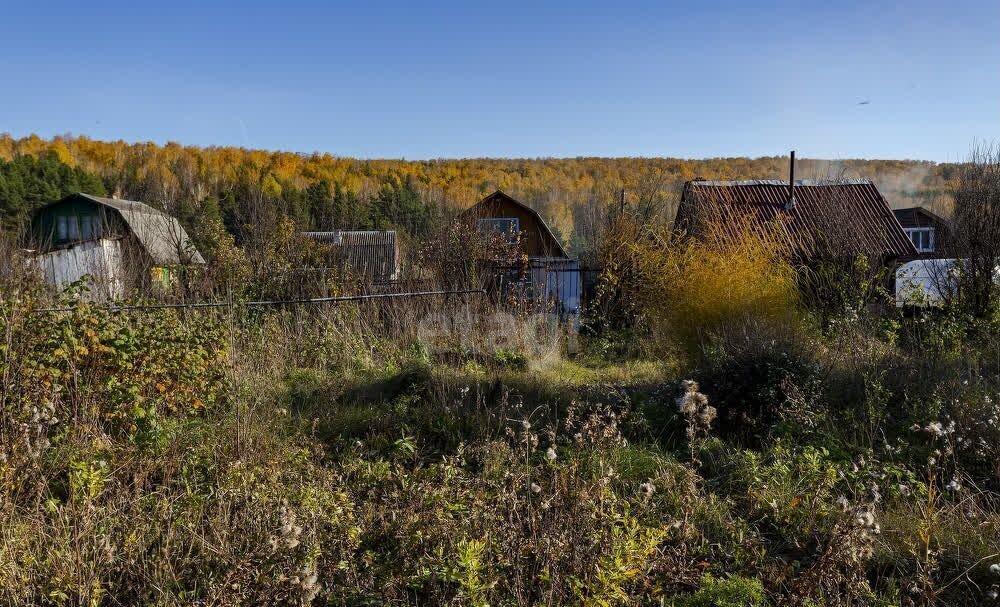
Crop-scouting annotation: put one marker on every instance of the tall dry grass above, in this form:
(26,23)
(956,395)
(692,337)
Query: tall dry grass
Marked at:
(693,288)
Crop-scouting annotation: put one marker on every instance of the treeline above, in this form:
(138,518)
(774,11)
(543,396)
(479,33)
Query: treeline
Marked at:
(240,188)
(27,182)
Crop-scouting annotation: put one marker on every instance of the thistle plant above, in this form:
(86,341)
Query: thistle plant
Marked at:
(698,415)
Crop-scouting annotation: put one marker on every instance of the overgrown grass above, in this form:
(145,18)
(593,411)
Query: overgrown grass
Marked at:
(364,456)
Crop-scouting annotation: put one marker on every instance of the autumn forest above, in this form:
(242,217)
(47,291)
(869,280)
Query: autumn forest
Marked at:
(243,189)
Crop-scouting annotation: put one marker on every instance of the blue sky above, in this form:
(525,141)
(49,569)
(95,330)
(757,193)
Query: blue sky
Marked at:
(463,79)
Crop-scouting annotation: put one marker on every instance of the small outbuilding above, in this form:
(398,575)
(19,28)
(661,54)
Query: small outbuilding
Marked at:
(116,242)
(552,277)
(371,255)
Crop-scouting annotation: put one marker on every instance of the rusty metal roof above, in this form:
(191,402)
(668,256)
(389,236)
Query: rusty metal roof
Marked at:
(829,219)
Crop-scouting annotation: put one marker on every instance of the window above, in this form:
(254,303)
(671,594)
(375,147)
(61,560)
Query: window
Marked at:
(74,227)
(87,227)
(922,238)
(62,230)
(504,225)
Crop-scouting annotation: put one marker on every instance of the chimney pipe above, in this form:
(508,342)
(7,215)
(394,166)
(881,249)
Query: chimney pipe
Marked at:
(790,203)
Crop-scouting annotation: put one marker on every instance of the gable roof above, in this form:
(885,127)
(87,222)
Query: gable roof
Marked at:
(498,197)
(918,217)
(161,235)
(830,218)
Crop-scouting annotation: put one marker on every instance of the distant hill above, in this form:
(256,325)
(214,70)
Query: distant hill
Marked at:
(243,187)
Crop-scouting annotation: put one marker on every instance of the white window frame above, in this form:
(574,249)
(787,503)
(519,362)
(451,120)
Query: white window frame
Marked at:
(921,234)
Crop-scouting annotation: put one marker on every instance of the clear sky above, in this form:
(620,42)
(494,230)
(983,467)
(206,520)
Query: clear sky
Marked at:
(417,79)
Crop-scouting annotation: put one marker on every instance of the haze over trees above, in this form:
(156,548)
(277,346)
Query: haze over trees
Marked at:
(240,187)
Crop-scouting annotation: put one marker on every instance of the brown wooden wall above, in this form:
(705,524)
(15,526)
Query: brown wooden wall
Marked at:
(536,239)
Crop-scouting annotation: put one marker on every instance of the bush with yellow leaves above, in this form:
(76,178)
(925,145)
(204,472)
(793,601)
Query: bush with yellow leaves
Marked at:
(693,288)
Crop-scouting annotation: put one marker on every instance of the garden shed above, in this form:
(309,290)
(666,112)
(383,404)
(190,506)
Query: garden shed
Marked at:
(114,241)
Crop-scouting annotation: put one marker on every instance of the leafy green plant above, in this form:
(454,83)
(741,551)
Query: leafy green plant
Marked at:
(510,358)
(734,591)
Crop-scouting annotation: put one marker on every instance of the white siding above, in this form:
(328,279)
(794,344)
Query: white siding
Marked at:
(100,259)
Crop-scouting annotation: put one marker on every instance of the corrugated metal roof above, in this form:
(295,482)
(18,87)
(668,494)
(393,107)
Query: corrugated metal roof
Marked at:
(373,253)
(781,182)
(829,217)
(163,237)
(359,237)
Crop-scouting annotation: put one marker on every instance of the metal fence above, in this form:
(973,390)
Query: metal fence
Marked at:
(556,285)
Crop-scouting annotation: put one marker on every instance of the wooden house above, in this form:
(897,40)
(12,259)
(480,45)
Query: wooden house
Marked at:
(552,278)
(498,212)
(119,243)
(929,232)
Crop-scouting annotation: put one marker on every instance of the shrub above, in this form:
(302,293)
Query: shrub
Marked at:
(690,288)
(122,374)
(735,591)
(760,376)
(510,358)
